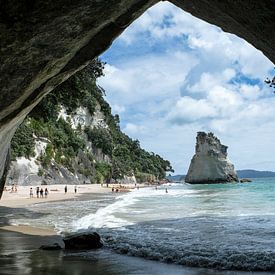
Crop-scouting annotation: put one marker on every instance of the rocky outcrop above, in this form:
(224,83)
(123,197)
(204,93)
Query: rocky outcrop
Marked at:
(245,180)
(42,43)
(210,163)
(83,241)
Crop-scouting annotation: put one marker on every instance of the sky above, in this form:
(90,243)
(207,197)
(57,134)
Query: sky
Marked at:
(170,75)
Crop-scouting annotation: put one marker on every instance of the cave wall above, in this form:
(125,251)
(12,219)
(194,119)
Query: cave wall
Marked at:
(44,42)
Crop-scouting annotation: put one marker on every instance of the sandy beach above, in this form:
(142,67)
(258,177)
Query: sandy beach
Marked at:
(56,193)
(21,198)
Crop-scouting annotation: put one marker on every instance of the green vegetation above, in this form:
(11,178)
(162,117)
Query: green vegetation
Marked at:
(23,142)
(126,157)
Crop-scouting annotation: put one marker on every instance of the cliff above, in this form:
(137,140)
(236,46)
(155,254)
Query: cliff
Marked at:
(210,163)
(73,137)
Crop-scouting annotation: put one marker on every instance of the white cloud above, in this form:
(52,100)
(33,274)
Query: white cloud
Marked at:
(118,109)
(133,129)
(147,78)
(250,91)
(204,79)
(189,109)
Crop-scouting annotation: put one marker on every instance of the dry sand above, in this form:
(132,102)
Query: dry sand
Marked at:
(56,193)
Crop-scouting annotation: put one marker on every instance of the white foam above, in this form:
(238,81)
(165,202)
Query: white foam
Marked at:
(110,216)
(105,217)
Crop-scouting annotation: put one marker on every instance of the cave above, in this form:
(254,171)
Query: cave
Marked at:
(43,43)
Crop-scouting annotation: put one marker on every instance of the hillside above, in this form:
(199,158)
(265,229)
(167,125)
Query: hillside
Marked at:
(249,173)
(72,136)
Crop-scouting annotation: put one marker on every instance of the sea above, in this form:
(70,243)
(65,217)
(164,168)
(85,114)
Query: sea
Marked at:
(190,229)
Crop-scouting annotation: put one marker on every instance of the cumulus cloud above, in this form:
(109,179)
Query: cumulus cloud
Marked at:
(133,129)
(170,75)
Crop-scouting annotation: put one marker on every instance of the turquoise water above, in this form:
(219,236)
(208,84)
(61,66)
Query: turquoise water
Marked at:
(220,226)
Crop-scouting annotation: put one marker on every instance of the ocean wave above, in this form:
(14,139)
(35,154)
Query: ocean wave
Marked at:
(216,243)
(115,215)
(208,257)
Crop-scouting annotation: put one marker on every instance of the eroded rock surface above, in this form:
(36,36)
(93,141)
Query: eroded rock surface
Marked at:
(210,163)
(43,42)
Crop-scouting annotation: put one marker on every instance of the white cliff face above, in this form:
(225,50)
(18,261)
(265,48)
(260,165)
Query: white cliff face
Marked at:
(82,117)
(25,171)
(210,163)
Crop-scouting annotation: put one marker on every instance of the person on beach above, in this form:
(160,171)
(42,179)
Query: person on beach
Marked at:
(31,193)
(75,189)
(113,189)
(46,192)
(37,192)
(41,193)
(65,189)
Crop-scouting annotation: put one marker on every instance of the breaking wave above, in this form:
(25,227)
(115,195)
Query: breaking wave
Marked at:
(225,227)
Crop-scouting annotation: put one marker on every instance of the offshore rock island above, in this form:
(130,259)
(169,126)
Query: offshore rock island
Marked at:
(210,163)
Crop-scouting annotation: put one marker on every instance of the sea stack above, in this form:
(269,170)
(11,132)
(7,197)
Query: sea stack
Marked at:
(210,163)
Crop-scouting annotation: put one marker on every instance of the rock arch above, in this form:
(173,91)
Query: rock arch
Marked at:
(43,42)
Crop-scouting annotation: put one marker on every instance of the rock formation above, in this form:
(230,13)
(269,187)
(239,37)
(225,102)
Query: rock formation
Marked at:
(210,163)
(43,42)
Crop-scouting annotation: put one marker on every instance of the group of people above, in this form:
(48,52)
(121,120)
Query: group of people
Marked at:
(66,189)
(115,190)
(40,192)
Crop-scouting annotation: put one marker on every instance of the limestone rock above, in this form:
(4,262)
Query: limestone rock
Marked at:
(83,241)
(210,163)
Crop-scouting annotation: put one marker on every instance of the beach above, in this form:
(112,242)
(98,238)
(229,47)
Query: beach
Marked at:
(168,233)
(20,243)
(56,193)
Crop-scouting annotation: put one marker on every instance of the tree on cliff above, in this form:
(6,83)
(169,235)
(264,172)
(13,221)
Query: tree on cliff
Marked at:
(65,142)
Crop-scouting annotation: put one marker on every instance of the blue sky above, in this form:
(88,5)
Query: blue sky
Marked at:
(170,75)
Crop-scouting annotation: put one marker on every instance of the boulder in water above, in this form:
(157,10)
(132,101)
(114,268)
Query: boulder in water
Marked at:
(210,163)
(83,241)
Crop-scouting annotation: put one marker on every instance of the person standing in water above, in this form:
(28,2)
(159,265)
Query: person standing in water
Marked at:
(31,193)
(66,189)
(166,190)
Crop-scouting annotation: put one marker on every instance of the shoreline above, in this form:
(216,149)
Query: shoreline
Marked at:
(21,244)
(56,193)
(21,199)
